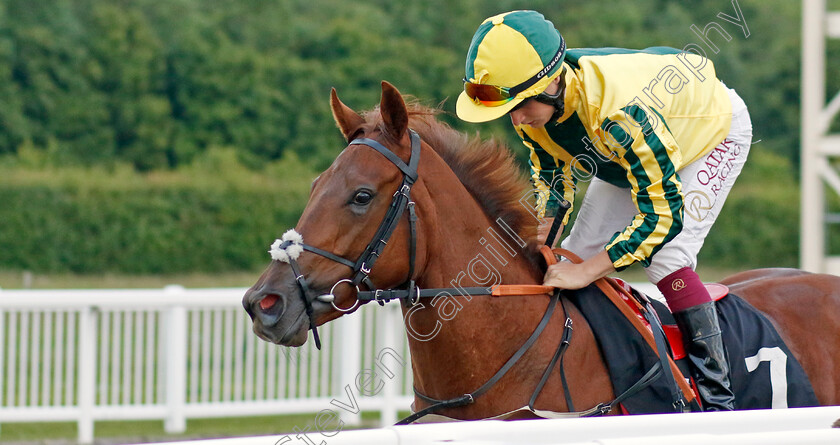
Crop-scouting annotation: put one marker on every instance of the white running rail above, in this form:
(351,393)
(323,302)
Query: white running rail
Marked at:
(801,426)
(175,353)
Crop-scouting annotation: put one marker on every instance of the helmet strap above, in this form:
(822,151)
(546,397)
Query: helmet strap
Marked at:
(556,100)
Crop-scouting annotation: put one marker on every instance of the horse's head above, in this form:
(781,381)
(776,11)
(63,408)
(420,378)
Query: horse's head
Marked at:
(357,217)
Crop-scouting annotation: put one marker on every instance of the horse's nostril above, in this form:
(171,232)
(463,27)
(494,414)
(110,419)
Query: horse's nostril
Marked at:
(268,302)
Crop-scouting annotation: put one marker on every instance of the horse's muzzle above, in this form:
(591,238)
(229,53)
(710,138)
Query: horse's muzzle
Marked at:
(264,306)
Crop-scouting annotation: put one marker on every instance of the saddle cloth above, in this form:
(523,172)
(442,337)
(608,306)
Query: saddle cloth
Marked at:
(764,372)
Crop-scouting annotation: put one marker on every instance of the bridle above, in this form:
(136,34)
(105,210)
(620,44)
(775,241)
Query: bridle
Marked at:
(362,267)
(364,264)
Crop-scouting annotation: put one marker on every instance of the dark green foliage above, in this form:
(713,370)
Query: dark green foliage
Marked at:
(159,84)
(155,82)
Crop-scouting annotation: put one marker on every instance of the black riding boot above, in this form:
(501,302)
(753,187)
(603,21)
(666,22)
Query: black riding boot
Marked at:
(701,334)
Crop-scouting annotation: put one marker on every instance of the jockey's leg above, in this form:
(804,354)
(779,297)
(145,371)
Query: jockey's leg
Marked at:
(697,319)
(706,183)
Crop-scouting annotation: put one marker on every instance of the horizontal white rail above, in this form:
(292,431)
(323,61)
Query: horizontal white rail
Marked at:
(785,426)
(121,298)
(175,353)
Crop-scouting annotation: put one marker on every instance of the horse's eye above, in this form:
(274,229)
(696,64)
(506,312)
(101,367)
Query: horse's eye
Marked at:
(362,197)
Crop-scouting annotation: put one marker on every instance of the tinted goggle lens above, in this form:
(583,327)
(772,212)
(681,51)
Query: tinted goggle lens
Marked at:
(488,95)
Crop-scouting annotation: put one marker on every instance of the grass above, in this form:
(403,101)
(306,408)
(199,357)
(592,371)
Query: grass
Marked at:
(146,431)
(22,280)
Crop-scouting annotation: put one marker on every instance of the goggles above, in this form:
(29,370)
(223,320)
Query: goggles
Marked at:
(490,95)
(494,95)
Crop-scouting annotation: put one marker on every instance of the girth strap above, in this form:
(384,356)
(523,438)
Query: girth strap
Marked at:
(646,380)
(677,399)
(612,291)
(559,354)
(655,372)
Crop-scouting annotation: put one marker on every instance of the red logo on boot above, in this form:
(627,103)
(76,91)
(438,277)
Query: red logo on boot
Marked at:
(678,284)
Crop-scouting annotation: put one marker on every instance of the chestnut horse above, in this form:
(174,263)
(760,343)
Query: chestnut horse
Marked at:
(472,229)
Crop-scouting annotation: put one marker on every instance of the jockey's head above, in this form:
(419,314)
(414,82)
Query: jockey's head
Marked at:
(513,57)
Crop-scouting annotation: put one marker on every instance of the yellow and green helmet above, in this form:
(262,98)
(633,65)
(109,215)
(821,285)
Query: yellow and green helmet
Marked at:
(512,56)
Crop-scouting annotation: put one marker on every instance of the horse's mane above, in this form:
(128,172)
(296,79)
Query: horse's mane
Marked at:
(485,167)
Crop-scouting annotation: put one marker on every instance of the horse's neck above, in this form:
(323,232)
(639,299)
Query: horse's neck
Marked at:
(465,245)
(454,337)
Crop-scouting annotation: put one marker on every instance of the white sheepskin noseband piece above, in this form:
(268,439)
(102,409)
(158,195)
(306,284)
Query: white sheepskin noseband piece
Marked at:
(288,247)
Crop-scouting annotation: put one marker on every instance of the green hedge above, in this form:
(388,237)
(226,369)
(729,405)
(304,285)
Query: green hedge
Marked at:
(214,216)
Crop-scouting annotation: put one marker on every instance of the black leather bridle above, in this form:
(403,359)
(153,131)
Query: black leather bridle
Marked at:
(362,266)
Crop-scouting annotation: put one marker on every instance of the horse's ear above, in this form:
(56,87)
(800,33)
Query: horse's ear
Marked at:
(348,121)
(393,110)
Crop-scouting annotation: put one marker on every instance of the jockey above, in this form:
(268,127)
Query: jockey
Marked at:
(660,141)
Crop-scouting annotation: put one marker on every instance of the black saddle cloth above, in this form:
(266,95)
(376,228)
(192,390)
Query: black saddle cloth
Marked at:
(764,372)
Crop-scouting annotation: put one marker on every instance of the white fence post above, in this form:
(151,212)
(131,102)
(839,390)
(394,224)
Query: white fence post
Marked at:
(176,368)
(2,351)
(389,395)
(88,321)
(349,361)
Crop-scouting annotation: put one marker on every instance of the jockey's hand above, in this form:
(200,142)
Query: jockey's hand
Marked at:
(566,275)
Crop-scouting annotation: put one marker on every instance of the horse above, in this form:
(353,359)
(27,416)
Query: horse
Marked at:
(466,224)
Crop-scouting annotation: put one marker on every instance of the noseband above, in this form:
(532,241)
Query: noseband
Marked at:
(363,265)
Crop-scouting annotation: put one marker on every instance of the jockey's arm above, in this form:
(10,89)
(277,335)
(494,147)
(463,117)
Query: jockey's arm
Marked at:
(566,275)
(650,161)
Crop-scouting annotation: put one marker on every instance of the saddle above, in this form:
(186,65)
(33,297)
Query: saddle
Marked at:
(675,338)
(622,327)
(764,373)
